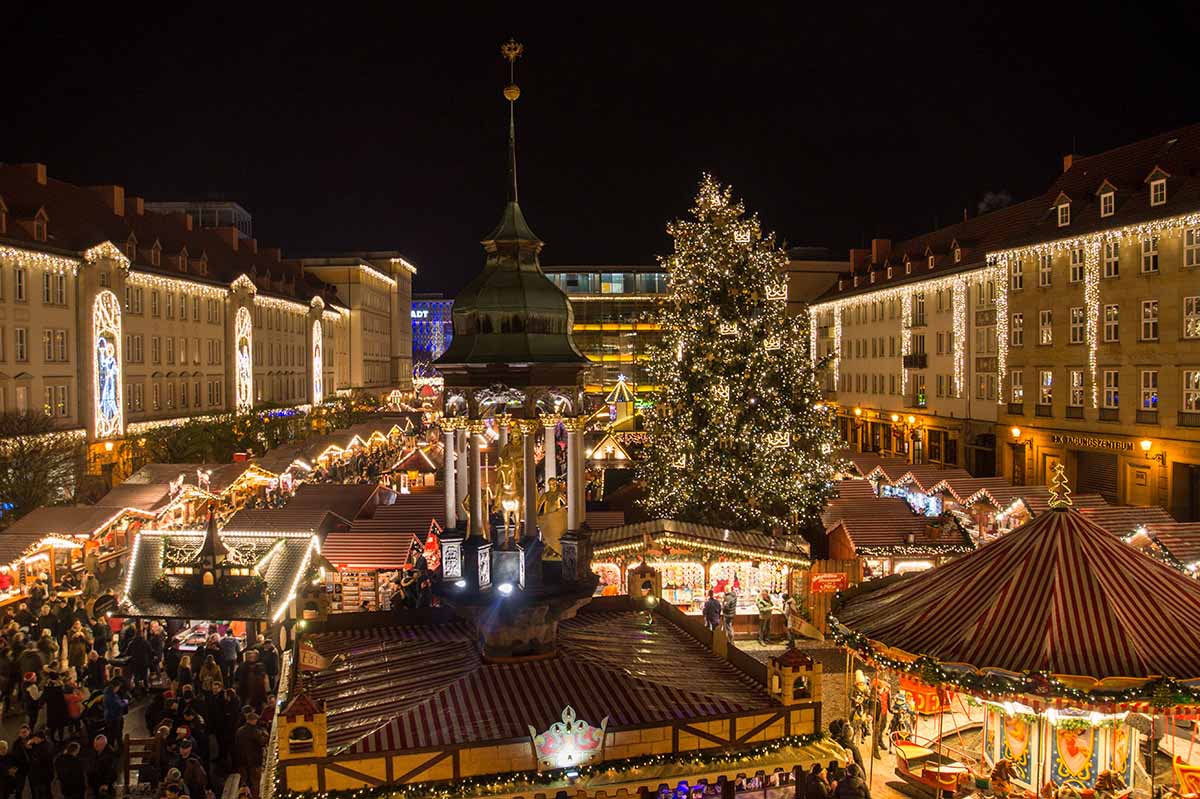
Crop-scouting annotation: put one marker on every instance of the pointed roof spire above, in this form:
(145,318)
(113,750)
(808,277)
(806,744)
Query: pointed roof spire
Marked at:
(512,50)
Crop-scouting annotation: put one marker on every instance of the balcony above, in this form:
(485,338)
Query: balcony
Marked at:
(1074,411)
(1189,418)
(1016,409)
(916,360)
(1147,417)
(1110,414)
(1046,411)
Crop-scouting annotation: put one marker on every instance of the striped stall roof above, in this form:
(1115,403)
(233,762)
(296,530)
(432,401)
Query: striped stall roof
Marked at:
(411,513)
(961,488)
(1036,498)
(604,519)
(355,549)
(1182,539)
(1059,594)
(868,463)
(855,489)
(413,687)
(700,534)
(926,475)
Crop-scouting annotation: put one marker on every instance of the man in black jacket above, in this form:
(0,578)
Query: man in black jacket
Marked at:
(72,778)
(853,786)
(101,766)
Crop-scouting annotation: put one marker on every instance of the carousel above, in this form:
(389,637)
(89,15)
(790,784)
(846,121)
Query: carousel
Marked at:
(1076,651)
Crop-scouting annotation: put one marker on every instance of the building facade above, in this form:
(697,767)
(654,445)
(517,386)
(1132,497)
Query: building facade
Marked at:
(432,326)
(1063,329)
(114,318)
(614,320)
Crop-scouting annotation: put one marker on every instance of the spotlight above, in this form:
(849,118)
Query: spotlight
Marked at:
(460,583)
(505,588)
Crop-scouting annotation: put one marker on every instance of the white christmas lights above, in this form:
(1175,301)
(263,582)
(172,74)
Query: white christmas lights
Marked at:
(999,273)
(243,349)
(58,264)
(106,249)
(318,363)
(175,284)
(107,406)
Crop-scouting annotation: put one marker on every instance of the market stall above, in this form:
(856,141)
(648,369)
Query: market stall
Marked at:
(694,559)
(368,562)
(1074,642)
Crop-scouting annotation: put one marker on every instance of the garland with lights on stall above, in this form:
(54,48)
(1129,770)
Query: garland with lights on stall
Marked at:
(1158,692)
(229,589)
(511,782)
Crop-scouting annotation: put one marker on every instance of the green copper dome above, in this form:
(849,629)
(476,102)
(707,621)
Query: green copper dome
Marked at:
(511,312)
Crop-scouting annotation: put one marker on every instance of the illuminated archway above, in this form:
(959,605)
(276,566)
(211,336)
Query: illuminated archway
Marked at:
(318,364)
(106,356)
(243,359)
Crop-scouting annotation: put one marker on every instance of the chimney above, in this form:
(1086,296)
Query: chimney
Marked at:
(880,250)
(1068,159)
(35,171)
(184,219)
(252,245)
(859,259)
(113,196)
(272,253)
(229,235)
(135,206)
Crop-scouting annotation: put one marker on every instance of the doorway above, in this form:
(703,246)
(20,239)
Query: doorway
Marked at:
(1018,464)
(1096,473)
(1139,485)
(1185,492)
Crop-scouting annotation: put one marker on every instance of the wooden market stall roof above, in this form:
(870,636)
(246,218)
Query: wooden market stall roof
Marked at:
(961,488)
(350,502)
(221,475)
(409,513)
(1035,498)
(890,467)
(926,475)
(358,549)
(70,520)
(313,521)
(426,685)
(146,497)
(885,527)
(669,532)
(1059,595)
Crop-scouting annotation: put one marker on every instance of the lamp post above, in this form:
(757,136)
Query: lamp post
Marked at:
(1161,457)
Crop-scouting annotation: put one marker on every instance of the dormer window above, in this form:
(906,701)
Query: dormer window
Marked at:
(907,267)
(203,265)
(889,273)
(958,255)
(1064,214)
(1108,203)
(155,254)
(931,262)
(131,248)
(1158,191)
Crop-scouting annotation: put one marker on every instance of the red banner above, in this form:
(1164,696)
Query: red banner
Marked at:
(829,582)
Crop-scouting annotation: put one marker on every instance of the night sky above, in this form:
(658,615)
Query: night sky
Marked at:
(341,127)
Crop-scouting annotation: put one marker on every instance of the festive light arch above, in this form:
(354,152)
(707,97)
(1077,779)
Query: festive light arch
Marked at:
(243,359)
(108,408)
(318,363)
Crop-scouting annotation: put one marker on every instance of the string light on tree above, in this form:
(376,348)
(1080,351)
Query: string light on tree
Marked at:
(739,437)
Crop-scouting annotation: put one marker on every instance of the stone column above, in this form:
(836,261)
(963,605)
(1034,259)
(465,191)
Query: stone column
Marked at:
(575,510)
(478,517)
(449,447)
(503,420)
(461,475)
(551,462)
(529,428)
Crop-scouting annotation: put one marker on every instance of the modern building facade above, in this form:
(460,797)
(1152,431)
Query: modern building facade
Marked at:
(432,326)
(114,318)
(1064,329)
(614,320)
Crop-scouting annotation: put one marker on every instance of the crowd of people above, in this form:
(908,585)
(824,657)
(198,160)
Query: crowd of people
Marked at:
(73,682)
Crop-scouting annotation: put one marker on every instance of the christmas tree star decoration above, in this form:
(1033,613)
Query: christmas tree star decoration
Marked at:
(739,437)
(1060,489)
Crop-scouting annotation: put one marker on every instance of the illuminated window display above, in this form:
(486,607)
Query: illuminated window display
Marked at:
(106,335)
(244,336)
(318,365)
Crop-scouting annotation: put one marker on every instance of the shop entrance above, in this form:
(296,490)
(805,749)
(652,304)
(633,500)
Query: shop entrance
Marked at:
(1096,473)
(1139,485)
(1185,492)
(1018,464)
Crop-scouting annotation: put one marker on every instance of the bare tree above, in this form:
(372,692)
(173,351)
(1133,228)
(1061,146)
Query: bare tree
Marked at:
(39,464)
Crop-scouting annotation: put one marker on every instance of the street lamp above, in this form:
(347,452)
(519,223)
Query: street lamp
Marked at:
(1015,432)
(1161,457)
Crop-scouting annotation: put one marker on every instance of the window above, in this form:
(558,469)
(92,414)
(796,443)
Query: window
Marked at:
(196,309)
(170,303)
(1017,332)
(1149,389)
(1044,269)
(918,343)
(60,346)
(60,289)
(1077,325)
(1112,388)
(182,350)
(47,346)
(1076,398)
(931,262)
(1108,202)
(170,395)
(155,349)
(1149,320)
(154,309)
(170,352)
(1046,327)
(1064,214)
(19,281)
(196,393)
(1016,380)
(156,396)
(991,387)
(21,344)
(1150,255)
(1191,391)
(980,387)
(183,307)
(940,386)
(1112,323)
(940,350)
(908,267)
(1046,387)
(1016,277)
(918,308)
(958,255)
(1077,265)
(47,294)
(1158,191)
(60,401)
(1191,317)
(1112,259)
(1191,247)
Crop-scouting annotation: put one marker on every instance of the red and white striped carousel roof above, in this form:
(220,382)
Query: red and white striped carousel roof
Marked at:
(1059,594)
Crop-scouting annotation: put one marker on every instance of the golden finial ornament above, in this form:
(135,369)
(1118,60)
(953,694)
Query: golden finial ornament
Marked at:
(1060,489)
(512,50)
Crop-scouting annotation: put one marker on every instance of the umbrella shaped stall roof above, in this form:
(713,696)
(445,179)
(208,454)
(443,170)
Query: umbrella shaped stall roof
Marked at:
(1059,607)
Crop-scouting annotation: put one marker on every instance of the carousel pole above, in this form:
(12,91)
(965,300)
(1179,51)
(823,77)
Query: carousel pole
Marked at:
(1153,751)
(874,724)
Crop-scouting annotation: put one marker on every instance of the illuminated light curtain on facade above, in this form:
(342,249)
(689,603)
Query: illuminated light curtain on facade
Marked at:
(318,364)
(244,336)
(106,350)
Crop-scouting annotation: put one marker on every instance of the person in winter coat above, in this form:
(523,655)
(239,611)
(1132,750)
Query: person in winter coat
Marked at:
(140,655)
(229,654)
(41,765)
(816,786)
(55,700)
(8,771)
(210,672)
(77,648)
(96,673)
(31,698)
(101,766)
(18,758)
(73,695)
(191,768)
(728,611)
(712,612)
(765,607)
(269,657)
(156,641)
(853,786)
(248,745)
(115,708)
(72,776)
(183,673)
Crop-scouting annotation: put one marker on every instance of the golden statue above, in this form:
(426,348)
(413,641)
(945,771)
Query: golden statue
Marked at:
(553,498)
(510,471)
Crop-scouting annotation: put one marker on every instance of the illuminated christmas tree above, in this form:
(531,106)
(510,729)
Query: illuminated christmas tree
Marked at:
(739,436)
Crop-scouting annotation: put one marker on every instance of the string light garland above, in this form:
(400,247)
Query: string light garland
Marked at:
(727,395)
(175,284)
(511,782)
(32,259)
(106,249)
(1000,277)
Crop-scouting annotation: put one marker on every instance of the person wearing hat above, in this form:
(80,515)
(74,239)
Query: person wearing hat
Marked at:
(248,745)
(191,768)
(31,697)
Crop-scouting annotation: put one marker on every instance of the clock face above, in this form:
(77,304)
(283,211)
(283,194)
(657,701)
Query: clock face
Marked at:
(485,568)
(451,561)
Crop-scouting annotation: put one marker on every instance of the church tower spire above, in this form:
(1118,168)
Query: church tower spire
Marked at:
(512,50)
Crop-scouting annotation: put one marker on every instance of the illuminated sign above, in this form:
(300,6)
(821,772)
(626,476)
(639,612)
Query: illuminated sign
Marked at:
(1091,442)
(568,743)
(829,583)
(420,313)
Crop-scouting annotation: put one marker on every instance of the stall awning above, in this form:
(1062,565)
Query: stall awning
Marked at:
(749,544)
(67,521)
(362,550)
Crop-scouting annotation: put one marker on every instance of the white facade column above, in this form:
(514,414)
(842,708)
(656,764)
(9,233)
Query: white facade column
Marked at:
(529,430)
(502,420)
(550,424)
(476,482)
(461,475)
(575,512)
(449,451)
